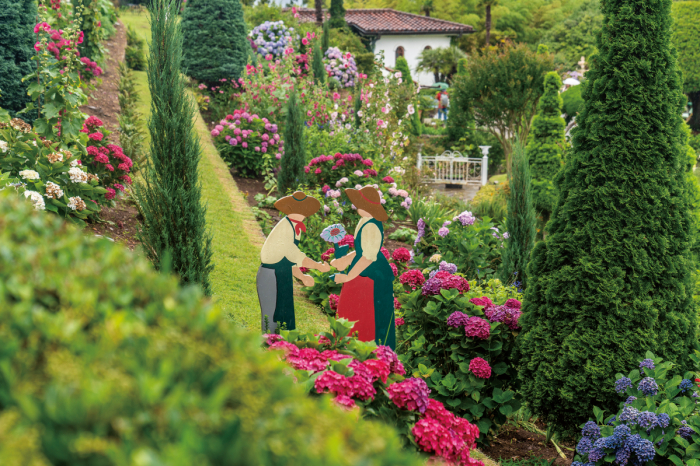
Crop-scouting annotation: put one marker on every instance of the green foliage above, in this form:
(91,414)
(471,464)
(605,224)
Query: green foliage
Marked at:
(572,101)
(291,172)
(365,63)
(247,161)
(545,146)
(337,11)
(441,354)
(17,19)
(131,136)
(503,89)
(574,37)
(214,40)
(133,55)
(402,66)
(441,61)
(326,37)
(520,221)
(105,362)
(318,68)
(462,67)
(404,234)
(174,230)
(615,267)
(686,40)
(346,40)
(91,25)
(261,12)
(460,121)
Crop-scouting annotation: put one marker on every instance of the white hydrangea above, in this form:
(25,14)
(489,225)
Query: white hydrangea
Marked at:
(74,163)
(36,198)
(53,191)
(77,175)
(29,175)
(3,146)
(76,203)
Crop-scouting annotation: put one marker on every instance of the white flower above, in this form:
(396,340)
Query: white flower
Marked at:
(3,146)
(74,163)
(334,115)
(53,191)
(75,203)
(359,113)
(358,186)
(411,109)
(398,74)
(357,172)
(400,80)
(77,175)
(36,198)
(347,126)
(340,211)
(29,175)
(326,209)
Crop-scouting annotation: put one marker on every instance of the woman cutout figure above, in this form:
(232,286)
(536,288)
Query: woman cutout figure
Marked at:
(367,295)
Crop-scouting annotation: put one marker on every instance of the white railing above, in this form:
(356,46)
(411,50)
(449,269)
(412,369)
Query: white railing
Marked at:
(453,168)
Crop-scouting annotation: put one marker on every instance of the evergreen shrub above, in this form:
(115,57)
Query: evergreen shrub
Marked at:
(107,362)
(133,55)
(402,66)
(214,40)
(572,102)
(365,63)
(613,276)
(17,19)
(291,172)
(337,12)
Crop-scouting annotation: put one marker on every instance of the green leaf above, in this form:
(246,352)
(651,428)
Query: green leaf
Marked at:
(476,396)
(449,381)
(598,413)
(500,368)
(506,410)
(676,460)
(454,402)
(484,425)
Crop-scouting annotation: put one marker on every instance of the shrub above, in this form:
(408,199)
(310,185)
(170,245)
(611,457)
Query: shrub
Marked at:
(174,229)
(362,374)
(133,55)
(292,167)
(337,12)
(319,71)
(365,63)
(214,40)
(242,139)
(131,135)
(653,423)
(18,18)
(572,102)
(341,66)
(402,66)
(91,26)
(106,160)
(106,361)
(273,38)
(616,264)
(461,343)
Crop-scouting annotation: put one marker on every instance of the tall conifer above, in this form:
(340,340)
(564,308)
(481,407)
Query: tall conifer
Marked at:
(612,279)
(291,172)
(545,145)
(174,230)
(326,37)
(17,19)
(318,68)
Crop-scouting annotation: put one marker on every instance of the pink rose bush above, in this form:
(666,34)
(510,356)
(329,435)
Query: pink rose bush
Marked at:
(362,375)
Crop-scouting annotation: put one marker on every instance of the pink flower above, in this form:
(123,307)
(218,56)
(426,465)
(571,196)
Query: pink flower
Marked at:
(344,401)
(411,394)
(333,301)
(394,269)
(101,158)
(271,338)
(305,41)
(400,321)
(414,278)
(388,179)
(245,145)
(402,255)
(483,301)
(288,348)
(308,359)
(379,369)
(388,355)
(215,132)
(513,304)
(385,251)
(110,194)
(317,171)
(126,179)
(480,368)
(476,327)
(109,167)
(356,386)
(327,255)
(397,304)
(119,187)
(336,96)
(349,240)
(96,136)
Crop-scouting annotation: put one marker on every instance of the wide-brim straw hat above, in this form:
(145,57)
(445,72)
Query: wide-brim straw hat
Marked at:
(298,203)
(368,199)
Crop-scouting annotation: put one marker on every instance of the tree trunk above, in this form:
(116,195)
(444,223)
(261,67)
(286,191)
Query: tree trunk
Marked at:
(319,11)
(427,13)
(487,25)
(694,120)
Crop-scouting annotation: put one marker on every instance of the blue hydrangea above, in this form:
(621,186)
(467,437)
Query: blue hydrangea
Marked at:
(629,415)
(622,455)
(685,385)
(648,386)
(623,384)
(631,400)
(685,430)
(662,420)
(648,363)
(643,448)
(585,445)
(612,420)
(646,419)
(591,430)
(596,455)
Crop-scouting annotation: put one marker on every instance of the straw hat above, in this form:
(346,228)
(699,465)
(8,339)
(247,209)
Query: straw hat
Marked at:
(368,199)
(298,203)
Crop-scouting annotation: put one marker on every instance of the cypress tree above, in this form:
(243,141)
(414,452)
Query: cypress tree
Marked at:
(612,279)
(291,172)
(174,231)
(17,19)
(214,40)
(461,120)
(402,66)
(520,221)
(357,108)
(326,37)
(545,145)
(319,70)
(337,19)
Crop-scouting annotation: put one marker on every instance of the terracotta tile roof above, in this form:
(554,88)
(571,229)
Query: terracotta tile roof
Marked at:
(382,21)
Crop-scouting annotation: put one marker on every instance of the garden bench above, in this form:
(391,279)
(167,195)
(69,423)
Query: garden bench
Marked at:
(453,168)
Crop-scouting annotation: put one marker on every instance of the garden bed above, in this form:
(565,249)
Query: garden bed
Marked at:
(515,444)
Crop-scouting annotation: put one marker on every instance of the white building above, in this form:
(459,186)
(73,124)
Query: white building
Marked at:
(399,34)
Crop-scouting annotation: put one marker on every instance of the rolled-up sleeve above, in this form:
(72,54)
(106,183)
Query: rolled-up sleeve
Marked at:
(371,242)
(280,244)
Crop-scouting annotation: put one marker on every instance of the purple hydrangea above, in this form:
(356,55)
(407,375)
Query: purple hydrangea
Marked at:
(431,287)
(629,415)
(643,448)
(685,430)
(596,455)
(444,231)
(411,394)
(619,436)
(631,400)
(272,38)
(585,445)
(421,231)
(507,315)
(662,420)
(447,267)
(648,386)
(457,319)
(341,66)
(622,384)
(465,218)
(685,385)
(648,363)
(591,430)
(646,419)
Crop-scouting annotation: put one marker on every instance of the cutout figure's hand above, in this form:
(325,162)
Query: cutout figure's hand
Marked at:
(339,264)
(307,280)
(341,278)
(323,267)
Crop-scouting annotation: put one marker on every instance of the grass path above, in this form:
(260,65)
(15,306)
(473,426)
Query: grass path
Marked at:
(237,237)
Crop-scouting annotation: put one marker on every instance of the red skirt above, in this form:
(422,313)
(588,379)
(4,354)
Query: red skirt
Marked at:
(357,304)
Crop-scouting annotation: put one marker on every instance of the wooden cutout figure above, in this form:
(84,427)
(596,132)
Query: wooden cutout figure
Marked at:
(281,258)
(368,295)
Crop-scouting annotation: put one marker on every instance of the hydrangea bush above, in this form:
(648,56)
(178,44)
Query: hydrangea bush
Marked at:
(107,161)
(273,38)
(369,377)
(243,138)
(656,421)
(341,66)
(461,341)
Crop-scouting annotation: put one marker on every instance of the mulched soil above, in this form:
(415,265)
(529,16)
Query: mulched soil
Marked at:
(517,443)
(119,223)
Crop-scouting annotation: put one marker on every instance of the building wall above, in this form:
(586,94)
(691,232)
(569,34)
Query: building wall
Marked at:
(413,45)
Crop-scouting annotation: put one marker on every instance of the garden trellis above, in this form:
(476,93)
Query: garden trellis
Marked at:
(451,167)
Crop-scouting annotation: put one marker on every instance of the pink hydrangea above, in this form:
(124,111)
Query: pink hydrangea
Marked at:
(357,386)
(388,355)
(402,255)
(397,304)
(379,369)
(447,436)
(288,348)
(308,359)
(513,304)
(333,355)
(327,255)
(411,394)
(388,179)
(344,401)
(385,252)
(400,321)
(457,319)
(480,368)
(333,301)
(96,136)
(476,327)
(111,193)
(483,301)
(349,240)
(394,269)
(271,338)
(413,278)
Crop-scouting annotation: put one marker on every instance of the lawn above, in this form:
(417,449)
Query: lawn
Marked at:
(237,238)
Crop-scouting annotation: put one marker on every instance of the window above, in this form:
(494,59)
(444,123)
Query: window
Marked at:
(399,52)
(427,47)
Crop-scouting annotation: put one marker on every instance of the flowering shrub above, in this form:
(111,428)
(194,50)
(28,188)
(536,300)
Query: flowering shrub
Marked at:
(106,160)
(451,335)
(657,420)
(242,139)
(362,374)
(341,66)
(272,38)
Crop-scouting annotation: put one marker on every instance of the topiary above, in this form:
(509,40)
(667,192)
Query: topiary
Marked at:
(612,278)
(107,362)
(214,40)
(545,145)
(317,66)
(402,66)
(291,172)
(16,41)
